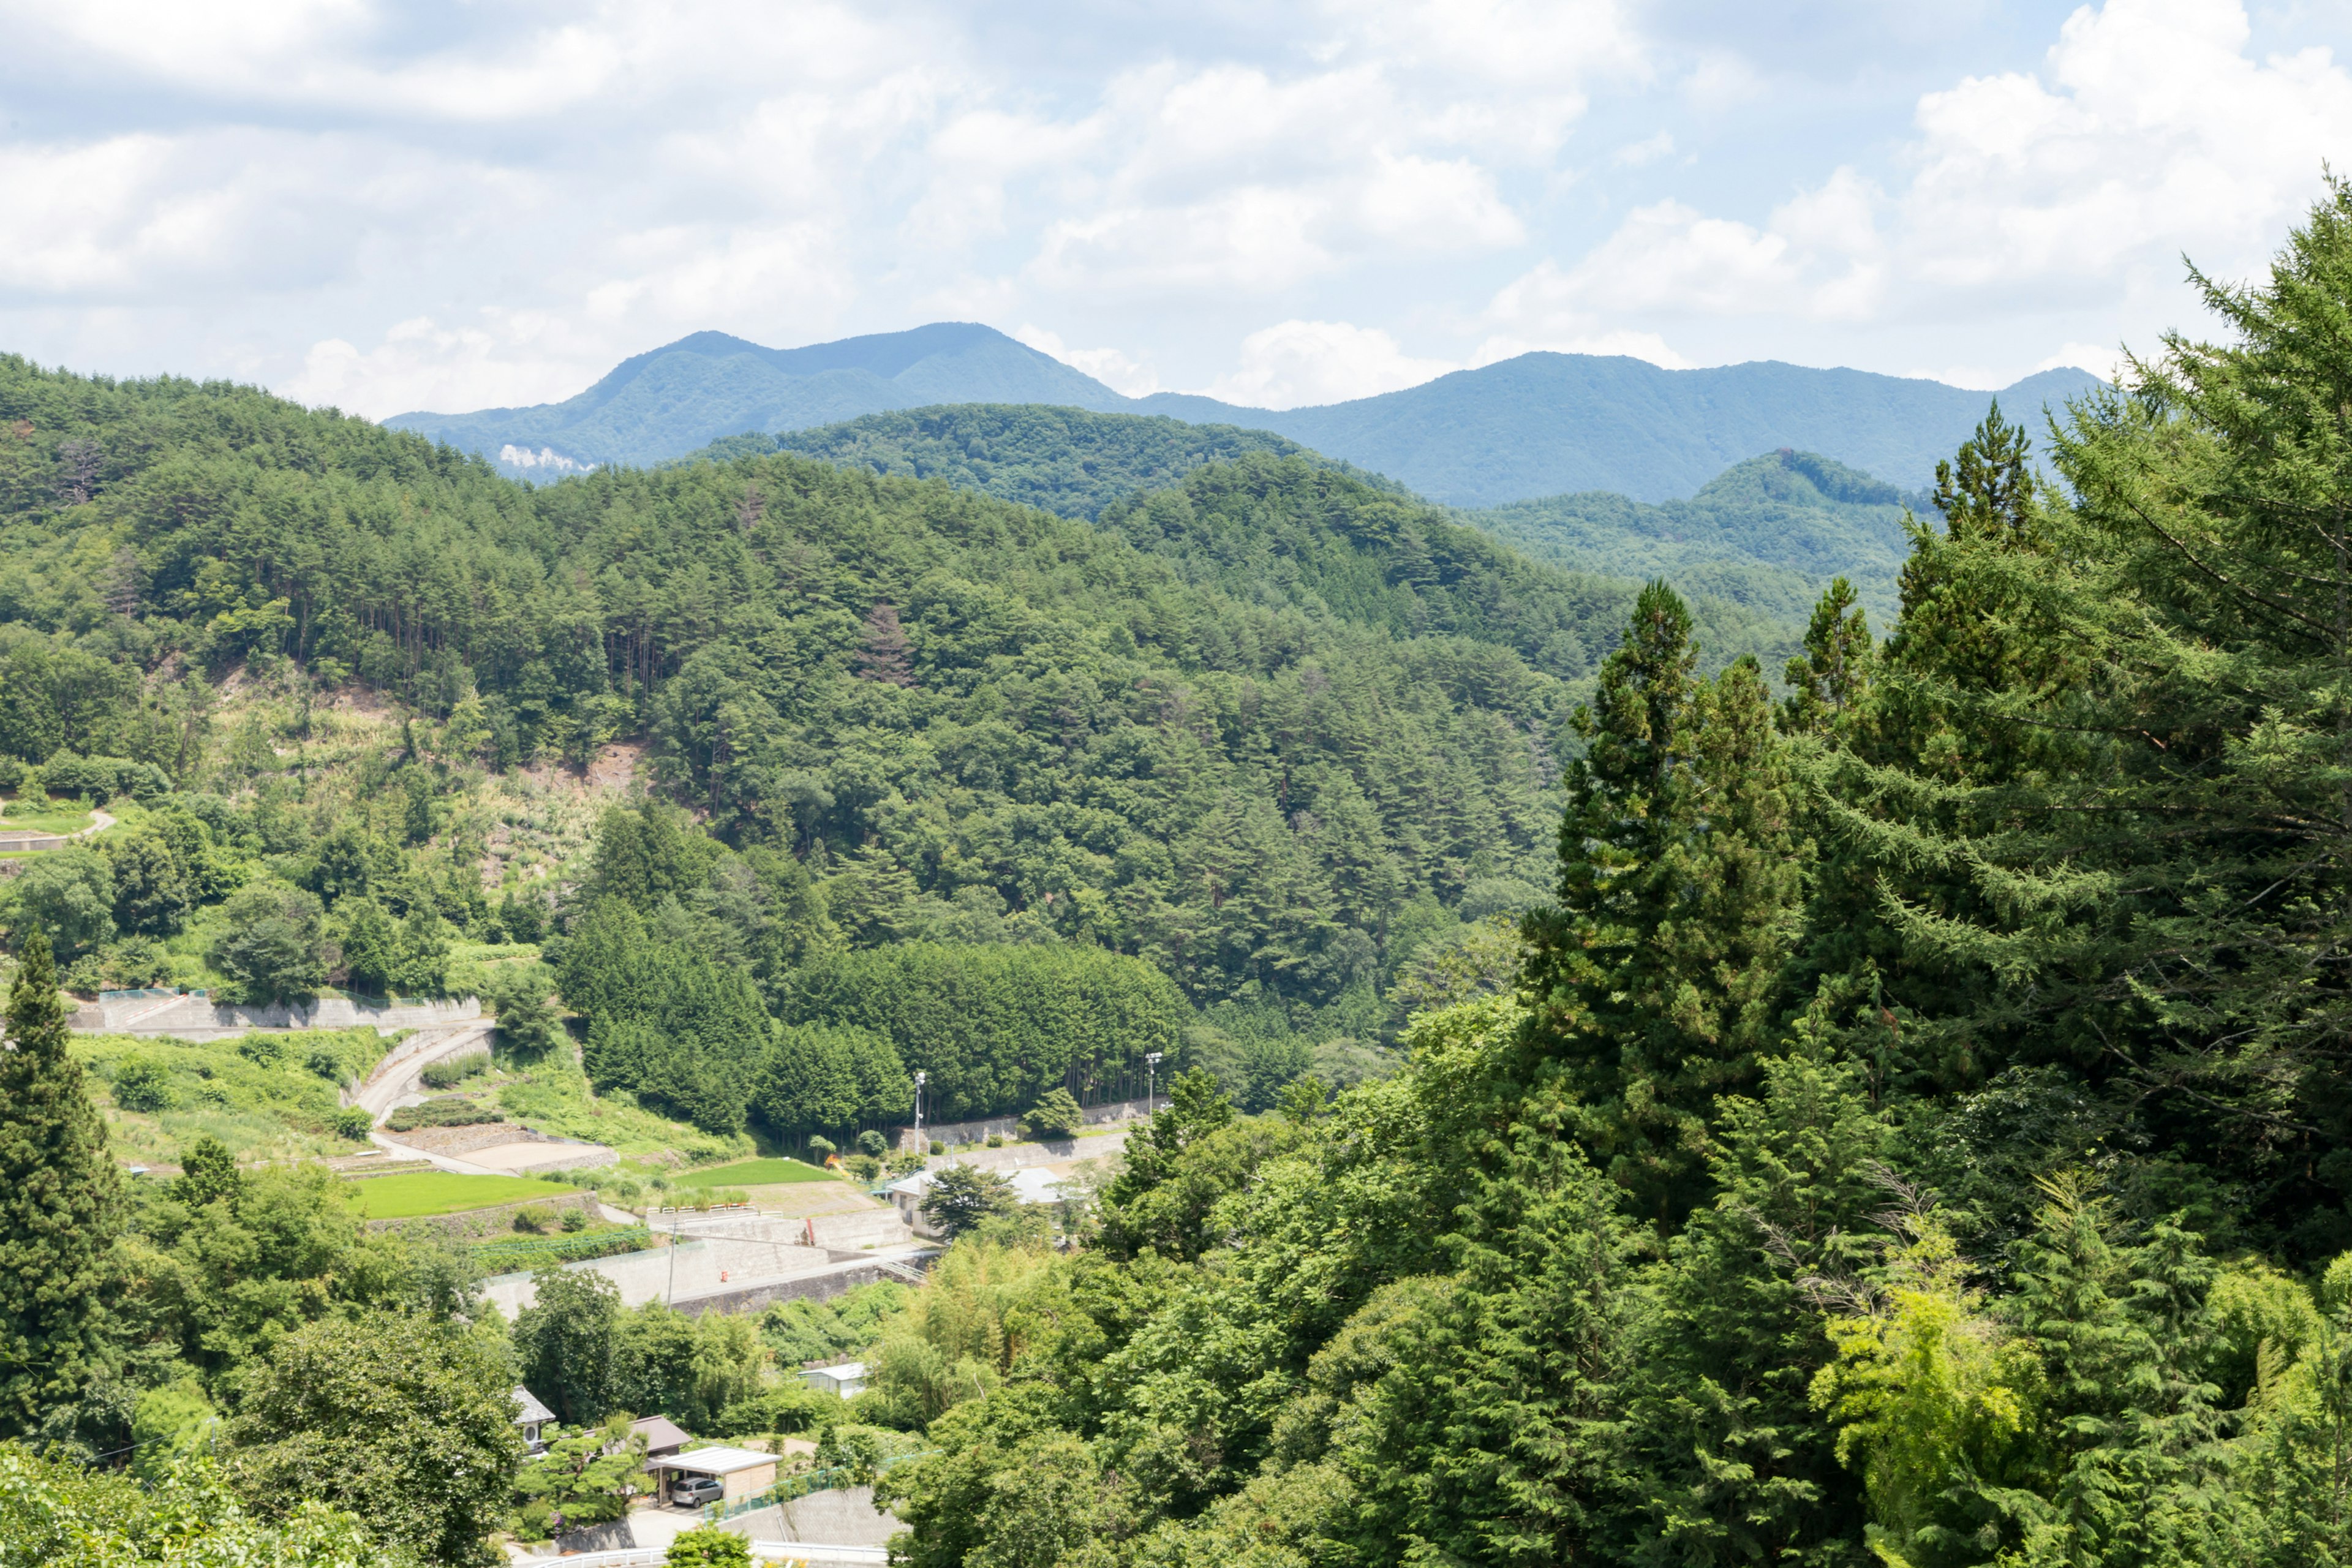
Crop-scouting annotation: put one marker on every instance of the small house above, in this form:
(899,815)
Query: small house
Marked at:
(532,1416)
(663,1436)
(744,1472)
(847,1379)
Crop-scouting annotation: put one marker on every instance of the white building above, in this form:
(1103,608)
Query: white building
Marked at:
(847,1379)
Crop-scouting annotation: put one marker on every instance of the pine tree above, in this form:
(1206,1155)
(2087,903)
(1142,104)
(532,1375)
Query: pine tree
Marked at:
(1829,682)
(883,654)
(59,1201)
(1655,975)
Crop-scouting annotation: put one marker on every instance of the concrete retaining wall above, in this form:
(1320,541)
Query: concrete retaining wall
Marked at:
(751,1298)
(954,1132)
(196,1017)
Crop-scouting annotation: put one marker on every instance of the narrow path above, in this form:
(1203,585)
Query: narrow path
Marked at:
(399,1073)
(99,821)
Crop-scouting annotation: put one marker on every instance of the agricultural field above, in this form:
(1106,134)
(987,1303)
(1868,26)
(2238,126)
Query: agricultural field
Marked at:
(428,1192)
(750,1173)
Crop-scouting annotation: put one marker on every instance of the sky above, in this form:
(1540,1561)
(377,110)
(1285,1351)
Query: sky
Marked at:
(459,204)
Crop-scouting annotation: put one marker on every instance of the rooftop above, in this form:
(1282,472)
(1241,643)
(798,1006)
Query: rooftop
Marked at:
(528,1406)
(841,1371)
(660,1432)
(717,1461)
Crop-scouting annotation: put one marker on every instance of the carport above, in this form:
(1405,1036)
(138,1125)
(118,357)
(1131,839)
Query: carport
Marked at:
(744,1472)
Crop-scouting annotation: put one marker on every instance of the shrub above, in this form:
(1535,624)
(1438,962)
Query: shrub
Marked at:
(262,1050)
(707,1546)
(865,1167)
(537,1219)
(450,1073)
(354,1122)
(142,1083)
(575,1219)
(871,1141)
(938,1147)
(995,1140)
(450,1110)
(325,1063)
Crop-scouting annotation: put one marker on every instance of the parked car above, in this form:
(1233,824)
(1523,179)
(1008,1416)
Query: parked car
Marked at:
(693,1492)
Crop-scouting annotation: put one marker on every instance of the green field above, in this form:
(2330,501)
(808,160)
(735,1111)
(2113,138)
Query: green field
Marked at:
(46,818)
(444,1191)
(751,1173)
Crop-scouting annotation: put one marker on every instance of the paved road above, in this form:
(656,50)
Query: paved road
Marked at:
(400,1072)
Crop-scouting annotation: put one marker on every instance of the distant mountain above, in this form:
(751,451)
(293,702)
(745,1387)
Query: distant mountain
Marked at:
(1542,423)
(1065,460)
(1768,533)
(1548,424)
(666,402)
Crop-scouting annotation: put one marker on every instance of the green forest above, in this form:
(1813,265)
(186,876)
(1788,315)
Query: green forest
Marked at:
(1890,1109)
(1769,534)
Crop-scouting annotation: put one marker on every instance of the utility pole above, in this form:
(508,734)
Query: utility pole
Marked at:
(1150,1082)
(921,1078)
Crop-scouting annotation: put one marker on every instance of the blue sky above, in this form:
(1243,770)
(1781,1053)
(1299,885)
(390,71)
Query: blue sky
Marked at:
(448,205)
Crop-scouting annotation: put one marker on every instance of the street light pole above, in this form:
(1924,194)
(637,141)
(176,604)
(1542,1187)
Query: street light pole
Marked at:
(920,1147)
(1150,1082)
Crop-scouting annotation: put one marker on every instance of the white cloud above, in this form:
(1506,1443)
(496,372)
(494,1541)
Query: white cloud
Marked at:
(1647,150)
(506,361)
(1294,364)
(1113,368)
(1541,310)
(2103,360)
(2150,131)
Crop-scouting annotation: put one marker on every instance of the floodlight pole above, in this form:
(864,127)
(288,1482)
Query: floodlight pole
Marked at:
(1150,1082)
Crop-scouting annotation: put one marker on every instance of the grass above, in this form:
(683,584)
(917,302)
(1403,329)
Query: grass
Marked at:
(750,1173)
(554,1096)
(45,818)
(444,1191)
(258,1095)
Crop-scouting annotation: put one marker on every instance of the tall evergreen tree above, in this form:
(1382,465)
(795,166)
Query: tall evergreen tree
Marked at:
(1656,977)
(59,1201)
(883,654)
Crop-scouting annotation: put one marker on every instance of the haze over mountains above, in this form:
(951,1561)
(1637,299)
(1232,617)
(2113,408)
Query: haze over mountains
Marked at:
(1540,425)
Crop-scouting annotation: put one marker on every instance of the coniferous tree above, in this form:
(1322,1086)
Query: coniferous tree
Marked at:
(1831,680)
(1656,974)
(883,654)
(59,1200)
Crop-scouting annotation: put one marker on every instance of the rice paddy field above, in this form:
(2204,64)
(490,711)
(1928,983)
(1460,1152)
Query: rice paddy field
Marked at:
(750,1173)
(426,1192)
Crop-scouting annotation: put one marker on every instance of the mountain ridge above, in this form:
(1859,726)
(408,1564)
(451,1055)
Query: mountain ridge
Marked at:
(1540,425)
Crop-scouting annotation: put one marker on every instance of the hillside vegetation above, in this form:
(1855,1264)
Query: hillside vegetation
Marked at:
(1269,731)
(1768,534)
(1067,461)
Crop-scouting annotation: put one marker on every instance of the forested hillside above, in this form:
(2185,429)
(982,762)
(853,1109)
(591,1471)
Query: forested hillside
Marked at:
(1918,1136)
(1066,460)
(1769,533)
(1268,730)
